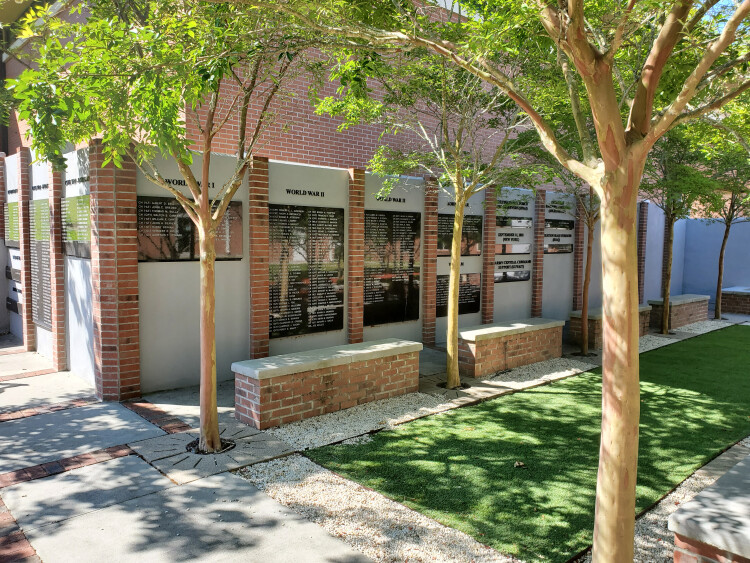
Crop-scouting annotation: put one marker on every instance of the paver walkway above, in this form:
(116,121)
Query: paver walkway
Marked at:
(87,481)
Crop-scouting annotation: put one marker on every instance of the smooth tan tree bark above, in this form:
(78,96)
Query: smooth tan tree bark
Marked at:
(454,378)
(666,281)
(720,279)
(585,296)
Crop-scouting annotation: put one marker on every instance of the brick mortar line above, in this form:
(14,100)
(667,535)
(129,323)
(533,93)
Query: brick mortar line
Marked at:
(46,409)
(5,378)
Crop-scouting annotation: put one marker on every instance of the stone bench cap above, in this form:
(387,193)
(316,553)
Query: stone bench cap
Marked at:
(485,332)
(286,364)
(681,299)
(736,290)
(597,315)
(720,514)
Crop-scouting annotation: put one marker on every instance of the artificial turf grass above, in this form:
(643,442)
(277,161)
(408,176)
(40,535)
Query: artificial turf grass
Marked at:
(459,467)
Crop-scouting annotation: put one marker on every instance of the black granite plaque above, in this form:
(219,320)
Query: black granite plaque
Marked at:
(41,306)
(561,224)
(392,267)
(469,294)
(167,234)
(512,270)
(471,235)
(306,269)
(76,226)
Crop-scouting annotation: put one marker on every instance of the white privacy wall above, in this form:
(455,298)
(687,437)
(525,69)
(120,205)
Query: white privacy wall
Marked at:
(14,254)
(169,300)
(557,293)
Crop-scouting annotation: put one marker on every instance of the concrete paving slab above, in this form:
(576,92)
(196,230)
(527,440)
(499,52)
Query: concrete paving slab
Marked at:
(220,518)
(41,390)
(80,491)
(48,437)
(184,403)
(15,364)
(431,362)
(169,455)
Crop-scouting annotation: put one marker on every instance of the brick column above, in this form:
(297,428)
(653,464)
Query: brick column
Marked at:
(2,200)
(537,260)
(57,272)
(488,256)
(642,240)
(114,278)
(356,259)
(428,274)
(259,255)
(24,228)
(665,246)
(578,256)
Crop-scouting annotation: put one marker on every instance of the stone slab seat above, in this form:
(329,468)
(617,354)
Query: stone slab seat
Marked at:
(289,387)
(735,300)
(486,349)
(715,524)
(683,310)
(596,329)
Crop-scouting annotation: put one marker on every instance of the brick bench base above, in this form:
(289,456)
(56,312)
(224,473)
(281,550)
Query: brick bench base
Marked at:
(687,550)
(684,310)
(284,389)
(596,334)
(484,350)
(737,302)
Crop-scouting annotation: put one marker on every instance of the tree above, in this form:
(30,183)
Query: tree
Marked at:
(142,76)
(462,130)
(677,184)
(643,68)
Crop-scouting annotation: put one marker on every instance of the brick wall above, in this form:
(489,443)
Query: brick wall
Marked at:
(688,550)
(2,198)
(258,285)
(642,234)
(596,336)
(680,314)
(428,273)
(537,259)
(735,303)
(114,278)
(24,228)
(57,272)
(579,250)
(488,257)
(486,357)
(356,258)
(287,398)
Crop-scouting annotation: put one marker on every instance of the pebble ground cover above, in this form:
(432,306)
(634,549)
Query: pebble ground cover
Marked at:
(518,473)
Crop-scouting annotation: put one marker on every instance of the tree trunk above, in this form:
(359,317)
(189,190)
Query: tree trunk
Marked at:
(666,281)
(454,379)
(618,455)
(585,297)
(209,437)
(720,280)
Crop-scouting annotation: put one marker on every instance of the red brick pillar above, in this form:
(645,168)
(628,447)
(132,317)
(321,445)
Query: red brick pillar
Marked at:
(24,231)
(537,260)
(356,258)
(664,268)
(114,277)
(488,256)
(642,240)
(578,256)
(57,271)
(428,274)
(259,255)
(2,200)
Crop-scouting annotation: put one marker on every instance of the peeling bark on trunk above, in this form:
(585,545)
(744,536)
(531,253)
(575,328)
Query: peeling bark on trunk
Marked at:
(667,277)
(585,297)
(209,437)
(618,456)
(720,279)
(454,379)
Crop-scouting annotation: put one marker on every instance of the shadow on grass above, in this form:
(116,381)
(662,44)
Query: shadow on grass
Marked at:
(460,467)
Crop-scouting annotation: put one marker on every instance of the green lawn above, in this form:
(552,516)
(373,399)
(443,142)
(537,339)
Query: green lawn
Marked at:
(458,468)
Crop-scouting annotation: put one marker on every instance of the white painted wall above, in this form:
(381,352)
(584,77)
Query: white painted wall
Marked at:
(654,253)
(13,256)
(595,286)
(169,301)
(557,292)
(40,191)
(678,258)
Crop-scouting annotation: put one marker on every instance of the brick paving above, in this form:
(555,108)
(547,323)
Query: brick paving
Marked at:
(23,375)
(13,543)
(46,409)
(157,416)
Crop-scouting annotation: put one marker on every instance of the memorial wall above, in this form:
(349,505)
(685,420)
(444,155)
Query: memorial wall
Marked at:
(559,237)
(13,298)
(39,227)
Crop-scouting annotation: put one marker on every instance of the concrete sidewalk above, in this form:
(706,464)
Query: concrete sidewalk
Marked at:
(87,481)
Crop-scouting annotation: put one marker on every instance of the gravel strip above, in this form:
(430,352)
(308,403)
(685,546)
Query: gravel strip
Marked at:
(366,520)
(340,425)
(702,327)
(556,368)
(652,342)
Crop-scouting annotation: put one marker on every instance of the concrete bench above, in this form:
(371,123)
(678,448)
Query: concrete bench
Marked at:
(683,310)
(735,300)
(715,526)
(486,349)
(290,387)
(596,329)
